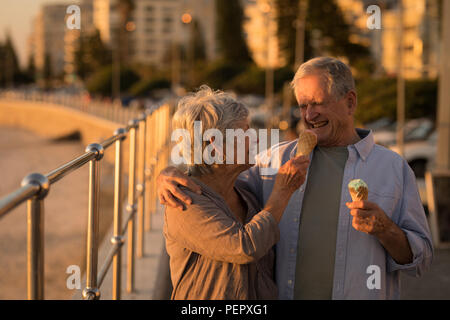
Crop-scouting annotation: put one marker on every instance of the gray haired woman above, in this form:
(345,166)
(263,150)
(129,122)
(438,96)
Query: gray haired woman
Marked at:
(221,245)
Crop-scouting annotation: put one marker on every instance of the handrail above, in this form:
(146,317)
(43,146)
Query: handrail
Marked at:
(17,197)
(141,202)
(70,166)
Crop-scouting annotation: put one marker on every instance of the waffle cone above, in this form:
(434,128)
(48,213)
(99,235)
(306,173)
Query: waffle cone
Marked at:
(359,195)
(306,143)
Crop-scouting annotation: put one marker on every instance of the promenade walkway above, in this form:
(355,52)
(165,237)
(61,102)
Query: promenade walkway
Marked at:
(151,271)
(22,152)
(65,220)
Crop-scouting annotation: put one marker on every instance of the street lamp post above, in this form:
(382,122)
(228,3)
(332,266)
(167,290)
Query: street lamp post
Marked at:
(115,46)
(400,84)
(269,76)
(186,18)
(443,116)
(300,34)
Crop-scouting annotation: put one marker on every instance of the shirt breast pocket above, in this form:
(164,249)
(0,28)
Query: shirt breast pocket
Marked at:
(385,199)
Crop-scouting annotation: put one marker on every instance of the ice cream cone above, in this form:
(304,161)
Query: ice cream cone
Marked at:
(359,191)
(306,143)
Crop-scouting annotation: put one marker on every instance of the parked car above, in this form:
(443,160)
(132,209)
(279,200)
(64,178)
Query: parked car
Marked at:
(420,154)
(415,130)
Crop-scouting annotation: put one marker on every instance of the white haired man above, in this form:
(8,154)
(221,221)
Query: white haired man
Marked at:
(330,247)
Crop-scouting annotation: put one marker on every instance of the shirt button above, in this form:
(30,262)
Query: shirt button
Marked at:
(295,219)
(289,282)
(292,250)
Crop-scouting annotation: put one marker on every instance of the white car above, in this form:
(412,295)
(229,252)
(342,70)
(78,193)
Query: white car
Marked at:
(420,156)
(415,129)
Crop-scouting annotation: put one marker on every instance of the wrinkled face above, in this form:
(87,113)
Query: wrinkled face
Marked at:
(329,118)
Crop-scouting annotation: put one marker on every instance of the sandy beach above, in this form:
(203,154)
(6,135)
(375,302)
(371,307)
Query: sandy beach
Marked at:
(21,153)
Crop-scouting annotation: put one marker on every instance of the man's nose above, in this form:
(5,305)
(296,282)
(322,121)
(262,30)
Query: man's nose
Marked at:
(310,113)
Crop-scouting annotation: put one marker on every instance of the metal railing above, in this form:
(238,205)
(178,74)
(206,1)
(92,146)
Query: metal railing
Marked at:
(148,154)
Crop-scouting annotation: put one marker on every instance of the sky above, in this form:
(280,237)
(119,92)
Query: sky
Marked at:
(16,16)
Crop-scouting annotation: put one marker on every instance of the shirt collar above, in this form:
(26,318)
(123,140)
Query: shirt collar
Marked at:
(365,145)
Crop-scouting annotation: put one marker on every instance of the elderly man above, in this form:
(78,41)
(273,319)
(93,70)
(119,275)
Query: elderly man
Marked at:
(330,247)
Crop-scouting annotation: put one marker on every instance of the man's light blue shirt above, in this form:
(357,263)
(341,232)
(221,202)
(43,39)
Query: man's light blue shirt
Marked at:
(392,186)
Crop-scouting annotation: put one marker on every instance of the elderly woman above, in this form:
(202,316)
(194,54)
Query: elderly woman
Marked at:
(221,245)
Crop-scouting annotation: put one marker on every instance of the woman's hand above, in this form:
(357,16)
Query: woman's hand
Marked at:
(289,178)
(167,188)
(291,175)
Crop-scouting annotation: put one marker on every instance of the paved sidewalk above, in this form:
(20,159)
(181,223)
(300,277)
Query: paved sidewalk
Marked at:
(434,284)
(150,275)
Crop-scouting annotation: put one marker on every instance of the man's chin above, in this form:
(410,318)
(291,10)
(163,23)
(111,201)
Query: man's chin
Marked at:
(322,138)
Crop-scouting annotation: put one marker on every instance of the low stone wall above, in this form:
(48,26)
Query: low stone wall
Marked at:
(54,121)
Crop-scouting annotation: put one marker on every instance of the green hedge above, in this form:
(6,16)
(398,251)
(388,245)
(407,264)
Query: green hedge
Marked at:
(100,82)
(377,98)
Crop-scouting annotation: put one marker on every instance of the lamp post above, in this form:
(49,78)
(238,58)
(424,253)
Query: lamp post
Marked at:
(115,46)
(186,18)
(400,84)
(300,34)
(443,116)
(267,9)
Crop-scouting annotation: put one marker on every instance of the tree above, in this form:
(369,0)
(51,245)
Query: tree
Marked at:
(100,82)
(287,11)
(324,21)
(8,63)
(30,72)
(91,55)
(47,72)
(229,31)
(197,42)
(377,98)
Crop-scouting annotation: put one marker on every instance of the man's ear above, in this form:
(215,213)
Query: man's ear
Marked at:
(351,101)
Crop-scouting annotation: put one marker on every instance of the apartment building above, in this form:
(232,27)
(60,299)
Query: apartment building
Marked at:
(48,38)
(157,25)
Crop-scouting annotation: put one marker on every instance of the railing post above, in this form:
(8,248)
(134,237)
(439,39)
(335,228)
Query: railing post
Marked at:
(141,185)
(149,171)
(91,292)
(35,236)
(117,237)
(131,207)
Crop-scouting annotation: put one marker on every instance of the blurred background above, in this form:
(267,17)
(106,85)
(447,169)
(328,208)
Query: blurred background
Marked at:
(139,52)
(129,55)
